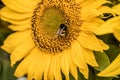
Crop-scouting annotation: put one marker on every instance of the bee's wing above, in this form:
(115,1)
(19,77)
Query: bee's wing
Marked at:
(59,30)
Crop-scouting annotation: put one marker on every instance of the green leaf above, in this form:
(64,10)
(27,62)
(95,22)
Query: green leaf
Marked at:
(90,77)
(109,39)
(114,54)
(116,78)
(115,2)
(80,76)
(0,67)
(111,49)
(4,31)
(91,73)
(71,77)
(102,60)
(6,72)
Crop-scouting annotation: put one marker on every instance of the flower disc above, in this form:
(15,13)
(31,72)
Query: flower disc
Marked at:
(55,25)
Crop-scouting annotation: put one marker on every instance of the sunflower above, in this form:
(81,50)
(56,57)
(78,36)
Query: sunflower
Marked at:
(112,25)
(53,36)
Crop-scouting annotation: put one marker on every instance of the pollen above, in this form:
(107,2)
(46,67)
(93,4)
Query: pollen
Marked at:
(47,18)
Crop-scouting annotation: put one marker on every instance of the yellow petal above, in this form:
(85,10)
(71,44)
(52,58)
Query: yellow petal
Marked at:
(108,26)
(54,69)
(76,59)
(65,64)
(113,69)
(73,67)
(86,3)
(106,9)
(21,51)
(10,14)
(23,66)
(88,27)
(79,58)
(22,6)
(99,3)
(58,75)
(16,22)
(97,21)
(117,32)
(39,65)
(103,45)
(90,41)
(46,60)
(116,9)
(79,1)
(20,27)
(90,58)
(94,3)
(93,13)
(31,69)
(16,39)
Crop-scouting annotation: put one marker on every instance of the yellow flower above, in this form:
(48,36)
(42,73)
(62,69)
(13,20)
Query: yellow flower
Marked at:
(113,69)
(112,25)
(53,36)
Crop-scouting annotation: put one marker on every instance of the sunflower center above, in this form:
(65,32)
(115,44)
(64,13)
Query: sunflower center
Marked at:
(51,20)
(55,25)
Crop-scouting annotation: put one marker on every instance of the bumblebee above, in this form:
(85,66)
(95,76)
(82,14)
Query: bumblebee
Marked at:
(62,30)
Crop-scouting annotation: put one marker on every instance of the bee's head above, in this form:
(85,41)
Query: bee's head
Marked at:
(63,26)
